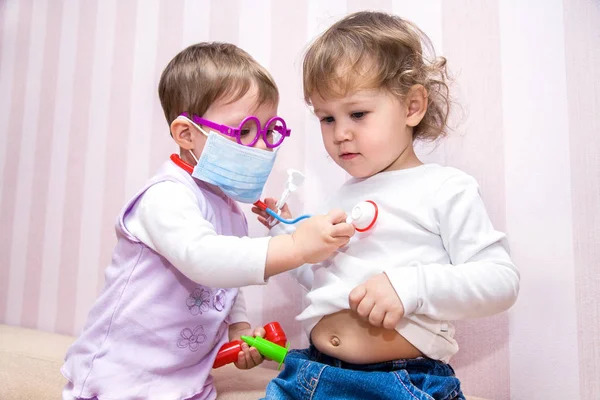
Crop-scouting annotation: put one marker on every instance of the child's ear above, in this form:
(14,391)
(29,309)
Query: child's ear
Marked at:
(182,133)
(416,102)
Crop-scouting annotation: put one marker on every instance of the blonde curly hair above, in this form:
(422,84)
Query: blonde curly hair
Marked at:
(368,50)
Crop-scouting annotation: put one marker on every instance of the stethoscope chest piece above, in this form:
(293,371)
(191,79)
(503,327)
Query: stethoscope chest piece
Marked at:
(363,215)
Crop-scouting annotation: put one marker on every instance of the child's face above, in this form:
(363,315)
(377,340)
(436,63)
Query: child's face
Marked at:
(232,113)
(367,131)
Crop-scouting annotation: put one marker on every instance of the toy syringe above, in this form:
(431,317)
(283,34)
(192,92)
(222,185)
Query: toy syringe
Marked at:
(274,334)
(267,349)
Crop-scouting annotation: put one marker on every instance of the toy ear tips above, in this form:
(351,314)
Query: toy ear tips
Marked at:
(295,175)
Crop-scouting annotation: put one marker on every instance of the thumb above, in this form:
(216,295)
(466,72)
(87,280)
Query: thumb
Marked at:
(260,331)
(336,216)
(271,203)
(356,296)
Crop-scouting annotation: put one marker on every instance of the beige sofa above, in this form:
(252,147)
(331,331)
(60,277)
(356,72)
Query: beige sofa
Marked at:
(30,362)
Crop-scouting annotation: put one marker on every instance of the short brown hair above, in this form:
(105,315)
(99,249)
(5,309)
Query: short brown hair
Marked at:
(206,72)
(368,50)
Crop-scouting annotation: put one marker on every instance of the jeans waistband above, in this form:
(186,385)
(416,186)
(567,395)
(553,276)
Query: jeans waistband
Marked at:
(386,366)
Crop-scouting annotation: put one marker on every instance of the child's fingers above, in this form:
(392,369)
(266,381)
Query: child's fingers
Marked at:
(255,357)
(341,241)
(356,296)
(260,212)
(391,319)
(262,216)
(343,230)
(260,331)
(246,358)
(249,357)
(336,216)
(376,316)
(265,221)
(241,361)
(285,212)
(271,203)
(365,306)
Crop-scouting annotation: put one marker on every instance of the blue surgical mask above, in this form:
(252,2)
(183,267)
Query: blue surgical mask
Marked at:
(239,171)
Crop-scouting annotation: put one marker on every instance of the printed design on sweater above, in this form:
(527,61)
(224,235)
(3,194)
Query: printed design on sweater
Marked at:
(191,339)
(199,301)
(220,300)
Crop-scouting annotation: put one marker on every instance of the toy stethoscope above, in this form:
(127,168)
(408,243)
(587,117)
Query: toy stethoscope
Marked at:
(363,215)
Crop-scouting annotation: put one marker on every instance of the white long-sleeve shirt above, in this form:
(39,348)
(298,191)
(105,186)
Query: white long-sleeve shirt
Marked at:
(168,220)
(434,240)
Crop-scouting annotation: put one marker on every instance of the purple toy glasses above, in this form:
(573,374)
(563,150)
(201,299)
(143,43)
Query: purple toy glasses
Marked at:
(249,130)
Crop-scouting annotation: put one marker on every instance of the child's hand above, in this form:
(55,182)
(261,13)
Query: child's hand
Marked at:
(249,357)
(377,301)
(265,218)
(320,236)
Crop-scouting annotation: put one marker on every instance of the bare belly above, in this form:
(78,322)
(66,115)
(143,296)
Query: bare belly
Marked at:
(344,335)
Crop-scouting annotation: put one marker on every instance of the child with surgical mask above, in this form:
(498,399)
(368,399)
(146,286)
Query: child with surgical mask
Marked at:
(170,299)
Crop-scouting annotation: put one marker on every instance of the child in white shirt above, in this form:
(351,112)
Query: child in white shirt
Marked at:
(378,311)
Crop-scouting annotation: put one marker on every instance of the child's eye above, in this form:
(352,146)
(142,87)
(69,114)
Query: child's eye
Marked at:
(244,132)
(358,115)
(327,120)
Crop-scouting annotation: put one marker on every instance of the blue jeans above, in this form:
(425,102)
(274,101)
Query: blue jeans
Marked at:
(312,375)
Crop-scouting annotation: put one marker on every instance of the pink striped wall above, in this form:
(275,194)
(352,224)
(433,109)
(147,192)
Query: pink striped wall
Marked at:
(582,32)
(81,129)
(477,147)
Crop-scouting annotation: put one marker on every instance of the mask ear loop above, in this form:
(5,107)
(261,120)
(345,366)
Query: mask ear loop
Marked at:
(193,155)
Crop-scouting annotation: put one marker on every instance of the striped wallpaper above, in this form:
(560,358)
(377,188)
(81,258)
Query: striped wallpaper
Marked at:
(81,129)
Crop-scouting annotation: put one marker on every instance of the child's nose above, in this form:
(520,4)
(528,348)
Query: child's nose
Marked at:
(260,143)
(341,133)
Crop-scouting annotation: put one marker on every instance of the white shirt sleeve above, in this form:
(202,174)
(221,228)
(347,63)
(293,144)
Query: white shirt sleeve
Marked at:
(168,220)
(481,279)
(282,229)
(238,309)
(304,274)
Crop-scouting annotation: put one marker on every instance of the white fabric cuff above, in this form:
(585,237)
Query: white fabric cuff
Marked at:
(405,281)
(238,310)
(282,229)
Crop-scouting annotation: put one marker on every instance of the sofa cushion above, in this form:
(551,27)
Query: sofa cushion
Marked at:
(30,362)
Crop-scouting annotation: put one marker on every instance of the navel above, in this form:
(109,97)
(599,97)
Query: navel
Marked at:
(335,341)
